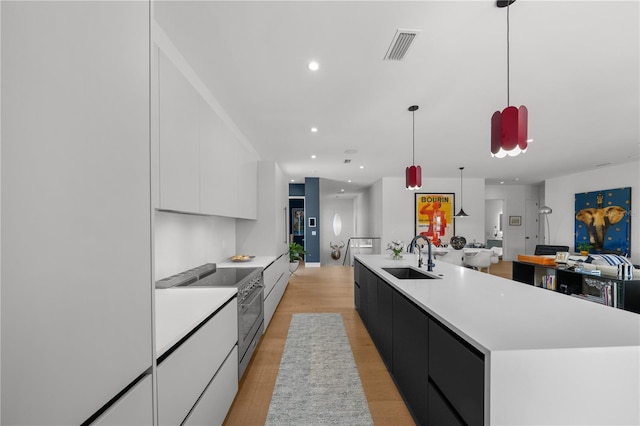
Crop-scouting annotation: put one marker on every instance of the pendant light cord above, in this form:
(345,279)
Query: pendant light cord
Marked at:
(461,169)
(508,102)
(413,146)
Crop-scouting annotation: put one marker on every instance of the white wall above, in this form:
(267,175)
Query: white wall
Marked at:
(185,241)
(560,192)
(375,210)
(493,210)
(329,206)
(362,213)
(514,197)
(393,208)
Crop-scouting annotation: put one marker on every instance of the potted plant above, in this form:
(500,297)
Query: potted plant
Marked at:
(295,255)
(584,247)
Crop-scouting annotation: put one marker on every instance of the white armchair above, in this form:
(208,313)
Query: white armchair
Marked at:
(479,259)
(451,256)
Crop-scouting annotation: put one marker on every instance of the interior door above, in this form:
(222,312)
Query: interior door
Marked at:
(531,226)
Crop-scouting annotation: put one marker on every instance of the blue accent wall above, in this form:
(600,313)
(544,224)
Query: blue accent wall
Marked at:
(312,210)
(296,189)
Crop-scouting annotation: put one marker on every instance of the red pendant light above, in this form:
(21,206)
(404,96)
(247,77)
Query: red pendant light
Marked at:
(413,172)
(509,127)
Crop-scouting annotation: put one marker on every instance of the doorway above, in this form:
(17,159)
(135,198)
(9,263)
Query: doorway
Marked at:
(494,223)
(296,221)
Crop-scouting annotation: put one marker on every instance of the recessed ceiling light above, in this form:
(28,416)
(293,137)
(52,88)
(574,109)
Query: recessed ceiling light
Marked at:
(502,183)
(349,181)
(517,179)
(314,129)
(293,180)
(313,66)
(313,156)
(362,167)
(342,190)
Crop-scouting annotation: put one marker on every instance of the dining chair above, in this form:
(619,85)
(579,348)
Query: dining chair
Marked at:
(478,259)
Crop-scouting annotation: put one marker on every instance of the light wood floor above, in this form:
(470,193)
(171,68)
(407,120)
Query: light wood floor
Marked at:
(324,289)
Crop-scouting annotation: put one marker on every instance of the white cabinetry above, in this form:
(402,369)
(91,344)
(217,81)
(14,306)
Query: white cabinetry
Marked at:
(247,193)
(218,156)
(186,372)
(216,400)
(204,167)
(179,140)
(133,408)
(275,278)
(268,235)
(76,217)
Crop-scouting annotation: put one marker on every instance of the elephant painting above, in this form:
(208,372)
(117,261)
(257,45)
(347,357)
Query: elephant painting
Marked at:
(605,222)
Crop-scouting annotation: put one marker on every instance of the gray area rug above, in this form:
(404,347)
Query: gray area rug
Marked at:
(318,381)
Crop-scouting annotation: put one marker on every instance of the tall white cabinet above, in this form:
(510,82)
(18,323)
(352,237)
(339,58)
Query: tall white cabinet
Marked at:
(76,217)
(268,234)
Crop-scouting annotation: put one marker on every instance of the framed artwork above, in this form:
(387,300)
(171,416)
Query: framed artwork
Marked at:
(562,257)
(602,219)
(515,220)
(297,221)
(434,216)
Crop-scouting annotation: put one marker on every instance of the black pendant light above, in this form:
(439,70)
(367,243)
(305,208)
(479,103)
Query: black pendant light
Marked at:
(461,213)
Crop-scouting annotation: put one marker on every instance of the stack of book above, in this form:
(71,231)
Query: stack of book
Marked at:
(548,282)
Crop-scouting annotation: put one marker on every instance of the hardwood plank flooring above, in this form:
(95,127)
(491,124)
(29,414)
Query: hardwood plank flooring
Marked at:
(324,289)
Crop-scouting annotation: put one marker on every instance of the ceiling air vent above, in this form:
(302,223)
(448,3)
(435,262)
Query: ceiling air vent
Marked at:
(402,41)
(347,161)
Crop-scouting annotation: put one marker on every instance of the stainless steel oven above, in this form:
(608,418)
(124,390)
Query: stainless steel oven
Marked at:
(250,287)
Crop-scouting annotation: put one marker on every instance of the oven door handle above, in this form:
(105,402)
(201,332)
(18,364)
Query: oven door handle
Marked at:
(245,304)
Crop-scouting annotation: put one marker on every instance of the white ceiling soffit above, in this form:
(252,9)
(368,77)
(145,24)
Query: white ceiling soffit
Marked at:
(400,45)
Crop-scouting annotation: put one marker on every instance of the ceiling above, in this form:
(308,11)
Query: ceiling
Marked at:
(574,64)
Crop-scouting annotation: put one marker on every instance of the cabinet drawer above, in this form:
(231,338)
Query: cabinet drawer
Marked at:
(273,299)
(214,404)
(133,408)
(438,411)
(183,375)
(274,273)
(458,371)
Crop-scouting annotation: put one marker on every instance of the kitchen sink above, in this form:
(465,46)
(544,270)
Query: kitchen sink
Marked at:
(409,274)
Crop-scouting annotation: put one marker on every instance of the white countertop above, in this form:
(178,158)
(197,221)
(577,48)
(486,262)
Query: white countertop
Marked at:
(497,314)
(179,310)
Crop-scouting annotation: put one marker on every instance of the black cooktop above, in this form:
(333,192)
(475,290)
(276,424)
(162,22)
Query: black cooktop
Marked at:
(226,277)
(208,275)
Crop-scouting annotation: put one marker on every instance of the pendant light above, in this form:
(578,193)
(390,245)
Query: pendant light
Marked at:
(509,127)
(461,213)
(413,172)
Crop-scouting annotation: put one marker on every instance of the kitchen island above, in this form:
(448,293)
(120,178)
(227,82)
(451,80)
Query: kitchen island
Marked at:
(490,350)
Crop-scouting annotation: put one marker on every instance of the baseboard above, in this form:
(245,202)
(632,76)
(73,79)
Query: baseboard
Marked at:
(311,264)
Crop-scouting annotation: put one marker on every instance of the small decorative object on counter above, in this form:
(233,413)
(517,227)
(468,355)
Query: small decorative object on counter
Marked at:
(397,247)
(458,242)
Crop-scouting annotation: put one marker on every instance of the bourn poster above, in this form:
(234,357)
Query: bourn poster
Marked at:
(434,217)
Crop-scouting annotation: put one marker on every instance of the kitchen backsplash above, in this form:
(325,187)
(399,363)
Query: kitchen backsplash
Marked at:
(184,241)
